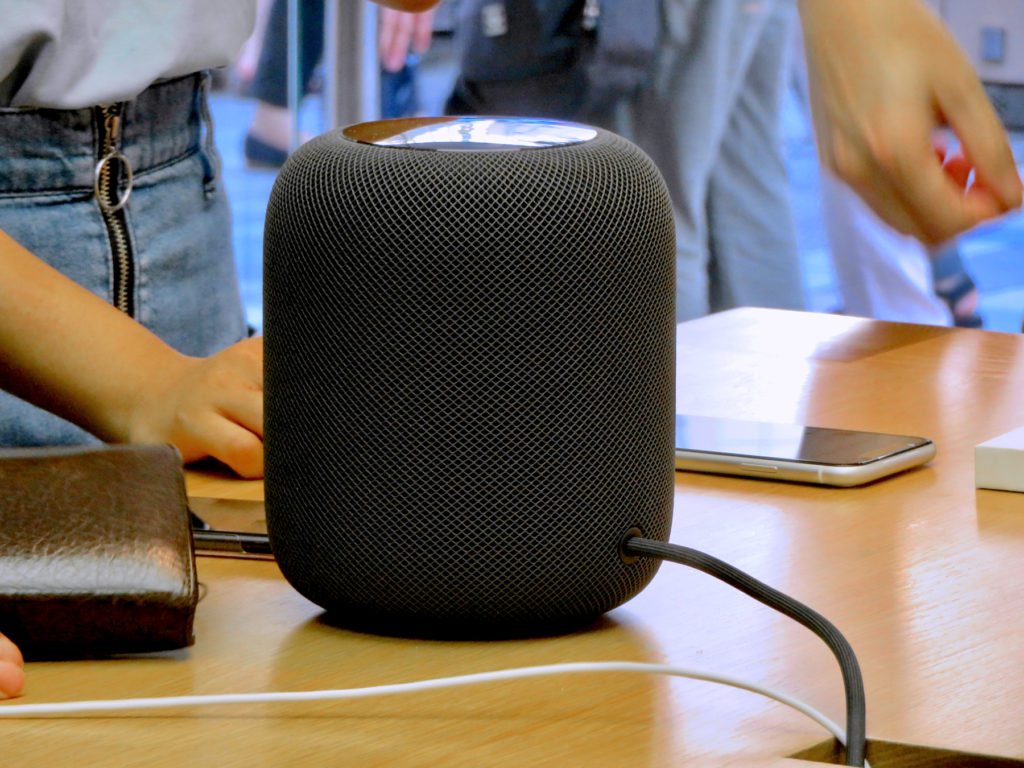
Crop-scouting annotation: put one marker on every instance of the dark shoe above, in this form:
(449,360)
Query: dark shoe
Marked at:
(261,155)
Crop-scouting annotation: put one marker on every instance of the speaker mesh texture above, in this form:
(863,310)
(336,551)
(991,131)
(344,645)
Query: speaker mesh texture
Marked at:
(469,380)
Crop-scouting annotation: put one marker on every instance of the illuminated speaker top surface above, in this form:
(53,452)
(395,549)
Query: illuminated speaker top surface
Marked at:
(469,133)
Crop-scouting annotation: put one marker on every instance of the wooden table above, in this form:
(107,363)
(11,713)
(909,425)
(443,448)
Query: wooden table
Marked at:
(924,575)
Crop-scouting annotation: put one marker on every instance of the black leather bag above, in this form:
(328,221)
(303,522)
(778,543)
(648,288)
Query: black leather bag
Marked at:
(96,552)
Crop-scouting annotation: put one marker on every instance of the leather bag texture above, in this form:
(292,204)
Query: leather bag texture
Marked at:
(96,551)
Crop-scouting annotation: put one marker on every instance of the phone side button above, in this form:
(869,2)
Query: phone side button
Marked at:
(767,469)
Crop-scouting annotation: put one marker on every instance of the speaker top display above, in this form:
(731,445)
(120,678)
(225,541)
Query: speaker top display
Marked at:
(470,133)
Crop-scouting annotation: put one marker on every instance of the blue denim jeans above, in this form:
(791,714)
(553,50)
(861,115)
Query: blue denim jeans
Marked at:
(184,287)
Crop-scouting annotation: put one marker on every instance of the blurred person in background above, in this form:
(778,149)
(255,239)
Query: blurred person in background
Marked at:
(696,84)
(885,77)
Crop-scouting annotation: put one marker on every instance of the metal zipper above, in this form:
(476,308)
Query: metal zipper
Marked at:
(110,167)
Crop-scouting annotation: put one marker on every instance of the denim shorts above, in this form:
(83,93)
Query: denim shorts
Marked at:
(183,285)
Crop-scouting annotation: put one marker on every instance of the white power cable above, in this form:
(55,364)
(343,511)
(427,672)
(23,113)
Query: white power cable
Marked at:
(72,707)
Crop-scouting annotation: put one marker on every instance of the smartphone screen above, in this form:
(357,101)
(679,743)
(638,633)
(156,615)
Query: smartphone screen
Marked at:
(793,442)
(794,451)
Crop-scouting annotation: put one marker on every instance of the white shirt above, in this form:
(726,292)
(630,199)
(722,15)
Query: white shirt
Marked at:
(68,54)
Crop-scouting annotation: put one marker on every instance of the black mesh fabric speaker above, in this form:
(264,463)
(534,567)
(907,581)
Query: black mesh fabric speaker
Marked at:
(469,378)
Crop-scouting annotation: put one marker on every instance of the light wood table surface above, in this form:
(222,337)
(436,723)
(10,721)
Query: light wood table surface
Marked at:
(922,573)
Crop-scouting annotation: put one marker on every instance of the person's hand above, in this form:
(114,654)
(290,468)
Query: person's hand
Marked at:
(401,32)
(885,75)
(207,407)
(12,676)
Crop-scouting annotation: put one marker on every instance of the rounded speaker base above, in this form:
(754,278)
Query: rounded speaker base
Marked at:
(450,629)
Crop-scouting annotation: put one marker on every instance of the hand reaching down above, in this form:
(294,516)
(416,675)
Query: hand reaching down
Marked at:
(207,407)
(885,76)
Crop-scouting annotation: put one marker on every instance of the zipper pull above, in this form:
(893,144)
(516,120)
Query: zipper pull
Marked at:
(111,127)
(103,182)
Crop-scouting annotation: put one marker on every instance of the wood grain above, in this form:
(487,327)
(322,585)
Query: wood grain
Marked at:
(921,571)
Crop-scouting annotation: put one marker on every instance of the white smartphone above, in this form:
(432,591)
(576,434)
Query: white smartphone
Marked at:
(794,452)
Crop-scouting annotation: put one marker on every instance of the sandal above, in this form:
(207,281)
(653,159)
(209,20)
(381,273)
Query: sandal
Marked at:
(953,285)
(962,287)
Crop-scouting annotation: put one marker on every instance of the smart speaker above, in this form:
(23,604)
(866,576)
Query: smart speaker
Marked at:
(469,377)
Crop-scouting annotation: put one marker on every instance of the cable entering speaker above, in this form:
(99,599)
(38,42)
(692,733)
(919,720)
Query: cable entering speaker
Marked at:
(853,683)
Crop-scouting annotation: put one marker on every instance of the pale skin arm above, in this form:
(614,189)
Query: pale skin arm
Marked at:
(885,75)
(68,351)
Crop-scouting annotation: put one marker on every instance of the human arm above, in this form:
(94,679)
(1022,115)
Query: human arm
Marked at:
(68,351)
(884,76)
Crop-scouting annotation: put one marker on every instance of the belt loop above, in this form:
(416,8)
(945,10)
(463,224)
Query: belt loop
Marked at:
(208,151)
